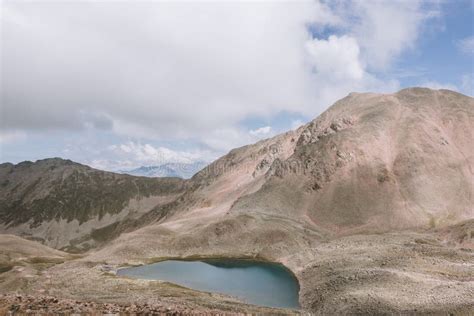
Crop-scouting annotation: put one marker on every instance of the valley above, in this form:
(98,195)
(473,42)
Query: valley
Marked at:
(370,205)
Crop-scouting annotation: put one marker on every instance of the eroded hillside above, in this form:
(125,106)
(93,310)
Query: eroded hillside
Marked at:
(64,204)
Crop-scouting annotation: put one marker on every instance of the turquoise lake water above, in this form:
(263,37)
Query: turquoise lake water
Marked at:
(259,283)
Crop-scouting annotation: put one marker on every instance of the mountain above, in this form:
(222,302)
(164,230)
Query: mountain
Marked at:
(179,170)
(370,163)
(62,203)
(358,203)
(371,205)
(375,163)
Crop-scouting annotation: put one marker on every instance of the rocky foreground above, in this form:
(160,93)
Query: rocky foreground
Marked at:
(15,304)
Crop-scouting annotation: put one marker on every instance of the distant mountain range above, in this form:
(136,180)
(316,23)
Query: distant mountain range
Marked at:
(180,170)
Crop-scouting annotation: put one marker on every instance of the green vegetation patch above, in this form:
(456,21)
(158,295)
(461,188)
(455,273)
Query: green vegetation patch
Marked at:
(5,267)
(47,260)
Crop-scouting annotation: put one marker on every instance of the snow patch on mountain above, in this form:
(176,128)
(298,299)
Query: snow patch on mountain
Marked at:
(180,170)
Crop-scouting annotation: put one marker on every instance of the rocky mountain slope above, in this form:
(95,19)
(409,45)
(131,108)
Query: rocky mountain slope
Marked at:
(377,163)
(370,204)
(370,163)
(64,204)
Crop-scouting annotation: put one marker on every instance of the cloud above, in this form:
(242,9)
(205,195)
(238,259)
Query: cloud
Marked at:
(296,123)
(10,136)
(148,154)
(386,29)
(437,85)
(261,132)
(337,67)
(173,70)
(466,45)
(134,154)
(467,84)
(223,139)
(336,57)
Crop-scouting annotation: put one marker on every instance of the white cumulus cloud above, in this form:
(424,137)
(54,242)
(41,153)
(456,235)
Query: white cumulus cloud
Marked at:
(133,154)
(191,71)
(386,29)
(261,132)
(336,57)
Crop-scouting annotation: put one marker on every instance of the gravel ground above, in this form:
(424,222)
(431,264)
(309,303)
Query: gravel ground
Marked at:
(13,304)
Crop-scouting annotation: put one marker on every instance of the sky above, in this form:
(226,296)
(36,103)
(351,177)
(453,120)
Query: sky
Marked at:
(122,84)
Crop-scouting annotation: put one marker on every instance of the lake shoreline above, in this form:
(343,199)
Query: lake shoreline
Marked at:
(248,280)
